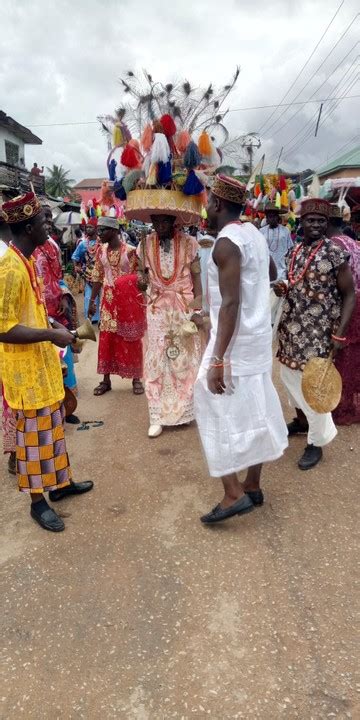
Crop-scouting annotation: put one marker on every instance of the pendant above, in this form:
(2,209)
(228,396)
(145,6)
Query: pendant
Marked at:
(172,352)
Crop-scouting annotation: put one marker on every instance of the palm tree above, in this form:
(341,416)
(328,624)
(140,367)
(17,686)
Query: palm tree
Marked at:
(58,183)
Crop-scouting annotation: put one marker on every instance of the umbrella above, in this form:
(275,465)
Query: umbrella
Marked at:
(68,218)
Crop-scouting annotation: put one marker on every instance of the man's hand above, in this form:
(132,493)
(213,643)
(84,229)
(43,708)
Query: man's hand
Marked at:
(92,309)
(215,380)
(198,320)
(61,337)
(280,289)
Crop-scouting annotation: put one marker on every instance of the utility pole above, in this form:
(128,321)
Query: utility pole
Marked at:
(250,143)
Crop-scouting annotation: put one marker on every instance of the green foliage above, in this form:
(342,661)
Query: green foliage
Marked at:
(57,181)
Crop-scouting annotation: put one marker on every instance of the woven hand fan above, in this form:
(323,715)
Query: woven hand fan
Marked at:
(321,384)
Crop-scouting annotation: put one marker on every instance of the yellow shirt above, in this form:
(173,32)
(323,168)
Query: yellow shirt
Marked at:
(31,374)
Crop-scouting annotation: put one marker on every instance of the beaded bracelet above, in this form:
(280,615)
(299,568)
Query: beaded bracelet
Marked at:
(338,339)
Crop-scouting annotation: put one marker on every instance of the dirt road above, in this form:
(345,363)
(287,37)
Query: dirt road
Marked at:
(139,612)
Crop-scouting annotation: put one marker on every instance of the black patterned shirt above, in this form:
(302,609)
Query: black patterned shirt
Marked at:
(312,307)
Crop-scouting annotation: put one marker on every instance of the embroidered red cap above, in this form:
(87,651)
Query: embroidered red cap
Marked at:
(20,208)
(316,206)
(229,189)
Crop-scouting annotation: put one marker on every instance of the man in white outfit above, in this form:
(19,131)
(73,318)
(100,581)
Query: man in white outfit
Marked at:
(237,408)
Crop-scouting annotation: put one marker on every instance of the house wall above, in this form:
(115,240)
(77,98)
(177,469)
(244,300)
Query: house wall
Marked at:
(345,173)
(8,135)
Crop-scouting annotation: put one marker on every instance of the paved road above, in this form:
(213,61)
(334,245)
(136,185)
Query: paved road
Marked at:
(138,612)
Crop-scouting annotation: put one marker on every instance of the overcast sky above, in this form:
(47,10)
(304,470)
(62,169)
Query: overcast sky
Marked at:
(61,62)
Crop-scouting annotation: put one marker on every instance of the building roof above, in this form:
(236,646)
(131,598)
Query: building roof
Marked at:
(19,130)
(351,159)
(89,183)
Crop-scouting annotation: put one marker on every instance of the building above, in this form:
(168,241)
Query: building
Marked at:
(14,177)
(89,188)
(344,166)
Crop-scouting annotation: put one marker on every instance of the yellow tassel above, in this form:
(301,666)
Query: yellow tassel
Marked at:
(151,179)
(278,200)
(284,199)
(204,144)
(118,138)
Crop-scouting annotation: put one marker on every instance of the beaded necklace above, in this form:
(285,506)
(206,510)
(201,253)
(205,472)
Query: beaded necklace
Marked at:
(156,252)
(30,266)
(295,279)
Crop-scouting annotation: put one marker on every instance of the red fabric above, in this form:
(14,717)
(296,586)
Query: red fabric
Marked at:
(131,308)
(347,361)
(120,353)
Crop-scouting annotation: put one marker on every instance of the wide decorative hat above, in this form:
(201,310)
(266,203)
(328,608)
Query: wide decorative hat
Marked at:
(315,206)
(142,204)
(228,188)
(21,208)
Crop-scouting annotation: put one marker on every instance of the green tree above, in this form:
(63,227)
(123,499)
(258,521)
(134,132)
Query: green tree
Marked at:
(58,183)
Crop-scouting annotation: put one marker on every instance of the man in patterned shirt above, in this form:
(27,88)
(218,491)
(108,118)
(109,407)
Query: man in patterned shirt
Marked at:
(319,301)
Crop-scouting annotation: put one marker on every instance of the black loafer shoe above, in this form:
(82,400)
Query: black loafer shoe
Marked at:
(312,455)
(47,518)
(72,420)
(217,514)
(296,428)
(256,496)
(73,489)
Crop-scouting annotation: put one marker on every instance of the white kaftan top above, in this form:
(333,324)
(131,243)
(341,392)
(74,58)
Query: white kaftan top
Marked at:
(250,349)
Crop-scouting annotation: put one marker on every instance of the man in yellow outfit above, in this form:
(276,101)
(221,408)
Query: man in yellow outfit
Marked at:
(30,367)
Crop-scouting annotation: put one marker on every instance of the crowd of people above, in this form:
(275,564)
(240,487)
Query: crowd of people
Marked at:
(190,317)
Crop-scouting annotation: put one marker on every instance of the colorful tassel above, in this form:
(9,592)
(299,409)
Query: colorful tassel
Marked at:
(282,183)
(130,157)
(183,140)
(151,179)
(192,157)
(164,173)
(193,186)
(157,127)
(112,169)
(204,145)
(147,138)
(284,199)
(130,180)
(119,191)
(118,137)
(168,125)
(160,151)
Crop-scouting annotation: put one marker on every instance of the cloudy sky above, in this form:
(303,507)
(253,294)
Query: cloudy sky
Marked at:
(61,62)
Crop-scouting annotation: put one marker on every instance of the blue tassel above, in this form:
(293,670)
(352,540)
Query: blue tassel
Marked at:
(192,156)
(164,174)
(119,191)
(112,169)
(92,212)
(193,186)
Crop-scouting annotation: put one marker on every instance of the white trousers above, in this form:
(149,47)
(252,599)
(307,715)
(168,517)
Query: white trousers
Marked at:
(322,428)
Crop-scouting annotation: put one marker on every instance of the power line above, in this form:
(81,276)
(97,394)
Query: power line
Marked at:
(310,121)
(317,90)
(242,109)
(319,68)
(297,145)
(302,69)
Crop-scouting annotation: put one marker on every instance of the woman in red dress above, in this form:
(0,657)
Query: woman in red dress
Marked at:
(122,312)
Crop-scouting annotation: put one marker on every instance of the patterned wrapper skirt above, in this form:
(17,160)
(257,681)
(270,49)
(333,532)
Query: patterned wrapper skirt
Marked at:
(42,460)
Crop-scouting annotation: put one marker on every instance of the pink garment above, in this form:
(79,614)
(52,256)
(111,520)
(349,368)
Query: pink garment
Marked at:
(169,383)
(347,360)
(8,427)
(49,269)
